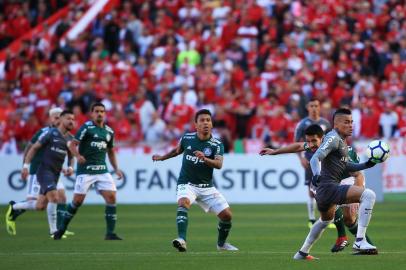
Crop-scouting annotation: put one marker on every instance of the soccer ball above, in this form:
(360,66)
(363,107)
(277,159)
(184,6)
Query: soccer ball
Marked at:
(378,151)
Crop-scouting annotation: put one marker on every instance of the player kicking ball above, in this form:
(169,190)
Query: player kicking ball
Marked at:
(201,154)
(329,166)
(345,214)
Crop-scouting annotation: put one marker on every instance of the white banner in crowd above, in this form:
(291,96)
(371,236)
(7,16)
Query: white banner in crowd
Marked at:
(394,173)
(243,179)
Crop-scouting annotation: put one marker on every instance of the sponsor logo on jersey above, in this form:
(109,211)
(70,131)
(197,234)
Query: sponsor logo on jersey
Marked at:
(58,150)
(96,167)
(99,145)
(194,159)
(207,151)
(345,159)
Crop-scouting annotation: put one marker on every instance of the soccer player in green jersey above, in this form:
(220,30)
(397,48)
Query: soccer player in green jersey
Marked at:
(35,201)
(346,214)
(201,154)
(91,143)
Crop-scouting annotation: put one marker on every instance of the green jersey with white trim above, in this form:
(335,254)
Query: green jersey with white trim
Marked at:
(94,142)
(194,170)
(37,158)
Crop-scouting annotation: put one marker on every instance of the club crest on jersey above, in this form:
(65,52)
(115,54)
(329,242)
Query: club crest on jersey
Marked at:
(207,151)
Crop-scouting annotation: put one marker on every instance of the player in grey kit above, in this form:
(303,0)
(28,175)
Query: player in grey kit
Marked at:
(54,143)
(333,156)
(313,108)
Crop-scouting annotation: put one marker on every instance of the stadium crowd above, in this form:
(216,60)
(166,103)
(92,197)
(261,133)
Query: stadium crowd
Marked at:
(254,64)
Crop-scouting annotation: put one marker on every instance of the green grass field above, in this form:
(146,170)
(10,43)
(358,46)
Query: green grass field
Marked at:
(267,235)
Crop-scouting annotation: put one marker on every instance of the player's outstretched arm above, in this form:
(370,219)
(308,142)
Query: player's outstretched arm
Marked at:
(354,167)
(173,153)
(27,160)
(291,148)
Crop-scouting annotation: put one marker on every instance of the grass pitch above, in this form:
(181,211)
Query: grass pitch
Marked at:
(267,235)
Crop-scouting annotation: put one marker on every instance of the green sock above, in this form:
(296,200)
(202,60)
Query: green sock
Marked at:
(353,229)
(182,221)
(111,218)
(68,215)
(223,228)
(339,222)
(60,212)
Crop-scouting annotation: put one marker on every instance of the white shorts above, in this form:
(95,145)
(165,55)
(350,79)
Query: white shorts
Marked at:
(102,181)
(33,186)
(209,199)
(352,206)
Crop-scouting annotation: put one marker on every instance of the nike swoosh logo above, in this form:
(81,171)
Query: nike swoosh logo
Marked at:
(358,246)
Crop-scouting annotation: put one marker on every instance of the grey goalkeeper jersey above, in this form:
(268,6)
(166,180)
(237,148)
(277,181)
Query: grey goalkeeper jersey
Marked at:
(333,155)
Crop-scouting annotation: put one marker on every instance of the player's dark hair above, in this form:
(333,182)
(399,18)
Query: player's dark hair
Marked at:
(97,104)
(314,130)
(202,111)
(341,111)
(313,99)
(65,112)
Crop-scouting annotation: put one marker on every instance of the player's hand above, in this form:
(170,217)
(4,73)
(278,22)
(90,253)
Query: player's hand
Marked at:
(199,155)
(81,159)
(305,163)
(315,180)
(24,173)
(68,171)
(157,158)
(119,174)
(267,151)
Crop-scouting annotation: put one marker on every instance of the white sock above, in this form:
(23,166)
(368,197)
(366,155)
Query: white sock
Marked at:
(315,232)
(51,213)
(366,205)
(311,205)
(25,205)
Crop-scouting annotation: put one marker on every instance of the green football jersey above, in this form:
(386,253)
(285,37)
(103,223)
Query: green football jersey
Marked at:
(36,160)
(94,142)
(194,170)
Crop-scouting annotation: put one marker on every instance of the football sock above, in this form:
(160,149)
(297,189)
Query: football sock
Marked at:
(51,213)
(311,206)
(353,229)
(20,207)
(224,228)
(315,232)
(111,217)
(366,205)
(339,222)
(67,217)
(182,221)
(60,212)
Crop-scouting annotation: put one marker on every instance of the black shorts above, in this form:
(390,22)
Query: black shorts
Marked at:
(328,194)
(47,180)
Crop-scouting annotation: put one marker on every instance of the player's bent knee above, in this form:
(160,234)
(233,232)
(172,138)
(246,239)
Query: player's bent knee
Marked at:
(184,202)
(368,195)
(225,215)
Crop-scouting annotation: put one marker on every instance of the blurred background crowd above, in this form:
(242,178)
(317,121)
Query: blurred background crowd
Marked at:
(254,64)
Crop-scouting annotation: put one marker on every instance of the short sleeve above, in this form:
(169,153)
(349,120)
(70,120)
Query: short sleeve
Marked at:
(219,150)
(45,137)
(81,133)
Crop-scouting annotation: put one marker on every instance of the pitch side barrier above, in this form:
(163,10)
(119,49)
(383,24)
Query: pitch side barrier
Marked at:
(244,178)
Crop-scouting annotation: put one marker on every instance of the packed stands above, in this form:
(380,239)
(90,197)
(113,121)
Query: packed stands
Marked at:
(254,64)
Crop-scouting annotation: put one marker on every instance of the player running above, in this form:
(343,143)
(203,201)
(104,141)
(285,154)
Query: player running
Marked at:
(91,143)
(313,108)
(54,144)
(35,200)
(345,214)
(201,154)
(333,156)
